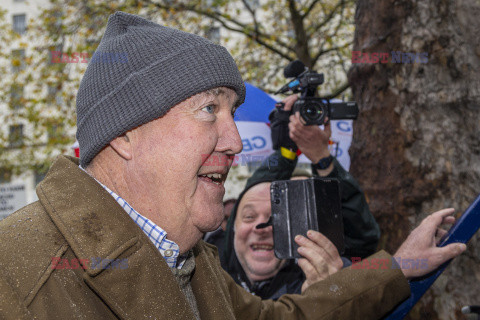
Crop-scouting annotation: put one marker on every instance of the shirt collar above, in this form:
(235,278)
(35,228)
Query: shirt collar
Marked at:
(168,249)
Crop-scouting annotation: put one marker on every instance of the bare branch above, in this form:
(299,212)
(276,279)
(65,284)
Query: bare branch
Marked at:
(242,28)
(254,18)
(328,18)
(337,91)
(322,52)
(257,39)
(301,47)
(342,63)
(310,8)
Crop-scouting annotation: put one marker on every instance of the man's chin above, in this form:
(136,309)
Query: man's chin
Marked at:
(211,220)
(211,190)
(260,273)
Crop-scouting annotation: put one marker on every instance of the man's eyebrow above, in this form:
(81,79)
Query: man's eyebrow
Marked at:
(215,92)
(220,91)
(248,206)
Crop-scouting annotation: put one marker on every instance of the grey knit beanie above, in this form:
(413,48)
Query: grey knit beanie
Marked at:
(139,71)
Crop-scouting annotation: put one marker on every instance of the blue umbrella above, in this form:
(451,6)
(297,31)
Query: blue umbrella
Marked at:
(257,105)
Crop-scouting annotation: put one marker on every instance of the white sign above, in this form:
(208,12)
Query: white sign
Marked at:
(12,198)
(257,142)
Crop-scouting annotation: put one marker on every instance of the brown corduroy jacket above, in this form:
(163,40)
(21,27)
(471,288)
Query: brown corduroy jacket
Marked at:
(75,218)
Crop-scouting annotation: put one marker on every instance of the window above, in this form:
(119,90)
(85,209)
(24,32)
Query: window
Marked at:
(18,60)
(213,34)
(19,23)
(16,94)
(5,175)
(16,135)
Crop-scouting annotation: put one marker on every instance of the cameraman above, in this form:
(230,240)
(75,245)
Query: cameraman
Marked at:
(361,230)
(289,134)
(254,265)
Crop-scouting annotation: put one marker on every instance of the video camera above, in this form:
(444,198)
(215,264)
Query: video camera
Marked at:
(313,109)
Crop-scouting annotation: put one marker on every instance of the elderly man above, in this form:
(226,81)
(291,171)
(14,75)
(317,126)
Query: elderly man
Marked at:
(142,197)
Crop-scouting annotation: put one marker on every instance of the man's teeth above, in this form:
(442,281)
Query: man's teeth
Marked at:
(262,247)
(215,177)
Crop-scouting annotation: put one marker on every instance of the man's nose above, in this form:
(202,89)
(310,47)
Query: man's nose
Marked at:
(264,232)
(230,140)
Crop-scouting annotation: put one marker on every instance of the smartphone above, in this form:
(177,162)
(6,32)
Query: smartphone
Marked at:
(302,205)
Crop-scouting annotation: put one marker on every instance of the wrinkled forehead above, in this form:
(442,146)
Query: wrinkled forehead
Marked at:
(256,197)
(223,92)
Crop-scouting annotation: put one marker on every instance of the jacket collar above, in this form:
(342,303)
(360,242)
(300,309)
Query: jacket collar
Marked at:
(87,216)
(96,226)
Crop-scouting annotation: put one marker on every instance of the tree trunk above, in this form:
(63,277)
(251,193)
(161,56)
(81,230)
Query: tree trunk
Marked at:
(416,146)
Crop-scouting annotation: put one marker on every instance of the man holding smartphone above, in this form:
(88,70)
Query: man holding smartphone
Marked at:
(252,263)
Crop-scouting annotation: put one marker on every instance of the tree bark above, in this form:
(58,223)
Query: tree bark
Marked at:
(416,146)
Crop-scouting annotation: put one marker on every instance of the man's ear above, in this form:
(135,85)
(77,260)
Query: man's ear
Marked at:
(122,146)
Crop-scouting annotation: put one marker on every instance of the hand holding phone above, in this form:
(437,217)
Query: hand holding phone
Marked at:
(302,205)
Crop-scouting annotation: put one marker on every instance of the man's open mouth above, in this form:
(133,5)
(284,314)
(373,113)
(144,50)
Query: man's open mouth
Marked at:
(216,178)
(263,247)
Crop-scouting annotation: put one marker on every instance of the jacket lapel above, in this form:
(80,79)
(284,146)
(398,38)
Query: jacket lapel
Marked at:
(210,292)
(97,227)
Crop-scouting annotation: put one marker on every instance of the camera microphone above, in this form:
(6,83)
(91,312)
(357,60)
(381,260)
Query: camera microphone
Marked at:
(292,85)
(293,69)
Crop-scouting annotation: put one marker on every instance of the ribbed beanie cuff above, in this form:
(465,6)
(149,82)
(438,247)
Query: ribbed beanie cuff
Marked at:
(160,67)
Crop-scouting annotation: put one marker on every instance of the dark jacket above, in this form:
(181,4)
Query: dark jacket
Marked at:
(75,218)
(361,230)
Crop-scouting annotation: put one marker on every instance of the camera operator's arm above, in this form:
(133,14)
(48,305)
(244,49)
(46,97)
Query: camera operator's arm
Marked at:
(312,141)
(361,230)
